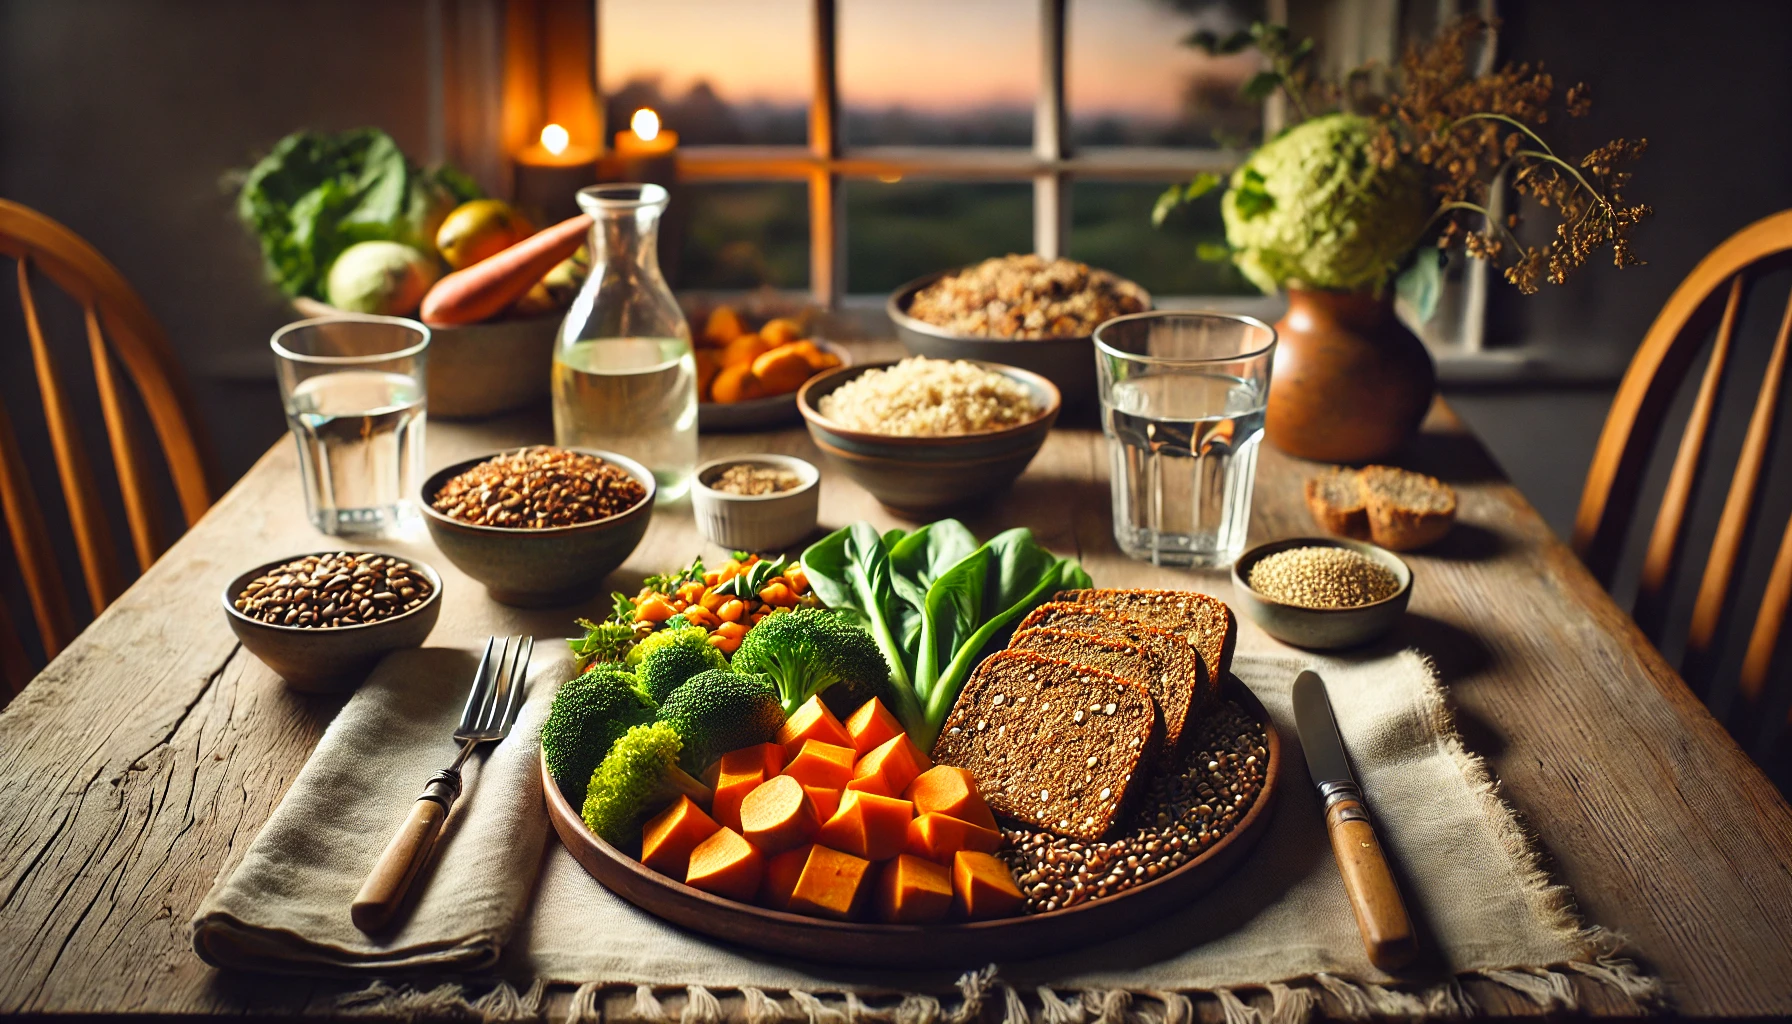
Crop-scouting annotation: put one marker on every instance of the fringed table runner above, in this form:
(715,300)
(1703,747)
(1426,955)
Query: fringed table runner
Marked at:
(1280,923)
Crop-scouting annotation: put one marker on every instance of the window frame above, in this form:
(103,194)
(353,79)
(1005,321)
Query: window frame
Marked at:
(1051,165)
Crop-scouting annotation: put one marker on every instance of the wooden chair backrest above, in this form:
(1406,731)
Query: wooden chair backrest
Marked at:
(1713,291)
(118,325)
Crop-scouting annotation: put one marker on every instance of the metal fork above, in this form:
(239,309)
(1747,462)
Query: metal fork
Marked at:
(492,706)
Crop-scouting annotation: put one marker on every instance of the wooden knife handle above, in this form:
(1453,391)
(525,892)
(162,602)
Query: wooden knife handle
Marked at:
(1374,895)
(390,879)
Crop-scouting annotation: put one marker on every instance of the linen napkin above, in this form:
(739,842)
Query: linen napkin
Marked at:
(286,906)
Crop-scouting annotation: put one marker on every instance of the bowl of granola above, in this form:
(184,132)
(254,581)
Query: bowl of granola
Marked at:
(1023,311)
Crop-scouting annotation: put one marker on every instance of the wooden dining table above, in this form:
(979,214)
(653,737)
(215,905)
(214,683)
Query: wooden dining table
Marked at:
(137,767)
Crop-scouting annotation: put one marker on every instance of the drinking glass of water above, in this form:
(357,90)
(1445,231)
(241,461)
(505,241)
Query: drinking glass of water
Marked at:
(1182,401)
(353,389)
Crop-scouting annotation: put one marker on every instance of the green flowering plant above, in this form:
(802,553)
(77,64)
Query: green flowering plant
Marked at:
(1366,190)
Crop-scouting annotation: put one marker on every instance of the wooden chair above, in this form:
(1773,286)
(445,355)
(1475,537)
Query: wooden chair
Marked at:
(1712,292)
(43,248)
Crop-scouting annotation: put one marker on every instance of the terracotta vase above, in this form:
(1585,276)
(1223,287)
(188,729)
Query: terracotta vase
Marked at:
(1350,383)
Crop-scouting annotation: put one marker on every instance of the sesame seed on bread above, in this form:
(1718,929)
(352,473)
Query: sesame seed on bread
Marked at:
(1056,745)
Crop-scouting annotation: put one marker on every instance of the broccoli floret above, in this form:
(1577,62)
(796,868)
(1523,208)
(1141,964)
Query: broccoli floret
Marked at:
(639,776)
(587,716)
(672,656)
(718,711)
(808,650)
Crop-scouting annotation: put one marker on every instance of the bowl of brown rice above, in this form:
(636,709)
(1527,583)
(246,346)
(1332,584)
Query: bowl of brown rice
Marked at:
(927,434)
(1017,310)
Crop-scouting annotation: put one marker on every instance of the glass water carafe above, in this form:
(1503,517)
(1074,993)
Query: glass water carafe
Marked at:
(624,377)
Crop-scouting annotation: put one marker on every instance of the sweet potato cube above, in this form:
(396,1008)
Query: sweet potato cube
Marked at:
(822,764)
(781,874)
(726,865)
(889,767)
(871,725)
(766,757)
(669,837)
(812,721)
(948,789)
(913,890)
(778,815)
(983,887)
(833,884)
(938,837)
(867,825)
(826,801)
(730,789)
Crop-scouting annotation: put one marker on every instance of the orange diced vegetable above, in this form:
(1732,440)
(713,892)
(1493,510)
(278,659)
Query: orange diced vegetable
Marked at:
(731,787)
(778,595)
(983,887)
(697,615)
(826,800)
(781,874)
(743,350)
(726,865)
(767,757)
(654,609)
(781,370)
(948,789)
(669,837)
(869,826)
(938,837)
(723,643)
(690,590)
(833,884)
(799,580)
(731,610)
(735,384)
(821,764)
(911,890)
(871,725)
(812,721)
(889,768)
(779,330)
(778,815)
(731,630)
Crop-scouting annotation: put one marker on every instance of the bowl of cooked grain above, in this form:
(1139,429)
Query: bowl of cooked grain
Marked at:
(541,527)
(927,434)
(1322,593)
(1020,311)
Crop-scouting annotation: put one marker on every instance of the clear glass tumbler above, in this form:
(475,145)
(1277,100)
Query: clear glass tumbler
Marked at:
(1182,402)
(625,379)
(353,387)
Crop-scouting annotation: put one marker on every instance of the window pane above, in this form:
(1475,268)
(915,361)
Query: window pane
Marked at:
(938,72)
(1110,227)
(898,232)
(741,236)
(1131,81)
(718,71)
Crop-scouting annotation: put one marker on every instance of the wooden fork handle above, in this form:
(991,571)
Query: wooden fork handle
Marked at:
(1374,894)
(386,885)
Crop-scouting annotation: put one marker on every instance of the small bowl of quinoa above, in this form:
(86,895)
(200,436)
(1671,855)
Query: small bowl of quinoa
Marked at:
(1322,593)
(923,434)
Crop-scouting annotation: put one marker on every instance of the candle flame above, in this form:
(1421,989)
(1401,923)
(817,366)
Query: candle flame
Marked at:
(554,139)
(645,124)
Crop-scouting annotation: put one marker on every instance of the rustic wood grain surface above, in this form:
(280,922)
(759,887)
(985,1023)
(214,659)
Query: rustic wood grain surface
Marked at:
(136,768)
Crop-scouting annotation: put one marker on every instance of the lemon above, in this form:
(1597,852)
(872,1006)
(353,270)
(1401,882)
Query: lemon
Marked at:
(480,229)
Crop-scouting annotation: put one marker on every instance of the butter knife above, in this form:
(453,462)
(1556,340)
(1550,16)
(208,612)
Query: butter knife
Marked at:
(1374,895)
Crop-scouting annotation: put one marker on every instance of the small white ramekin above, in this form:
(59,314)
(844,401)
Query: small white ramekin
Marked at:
(760,523)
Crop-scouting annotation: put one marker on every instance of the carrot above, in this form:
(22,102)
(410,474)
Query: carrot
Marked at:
(778,815)
(654,609)
(732,630)
(697,615)
(690,592)
(725,644)
(713,600)
(799,581)
(778,594)
(484,289)
(731,610)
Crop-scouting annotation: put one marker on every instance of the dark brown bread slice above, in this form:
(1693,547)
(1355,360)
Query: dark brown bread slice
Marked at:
(1169,668)
(1056,745)
(1335,497)
(1204,621)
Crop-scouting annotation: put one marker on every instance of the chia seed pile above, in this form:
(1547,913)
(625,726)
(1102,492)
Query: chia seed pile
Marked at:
(1179,817)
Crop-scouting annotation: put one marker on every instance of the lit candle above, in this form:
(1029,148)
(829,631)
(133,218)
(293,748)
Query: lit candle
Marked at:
(550,173)
(646,152)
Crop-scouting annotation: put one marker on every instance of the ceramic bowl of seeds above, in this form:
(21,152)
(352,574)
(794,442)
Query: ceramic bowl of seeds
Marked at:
(322,620)
(541,527)
(1322,593)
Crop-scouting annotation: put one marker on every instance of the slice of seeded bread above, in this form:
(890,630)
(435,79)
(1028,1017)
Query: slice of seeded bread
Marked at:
(1205,622)
(1052,744)
(1406,510)
(1169,668)
(1335,497)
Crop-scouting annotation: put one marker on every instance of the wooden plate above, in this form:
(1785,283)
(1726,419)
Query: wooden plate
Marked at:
(942,945)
